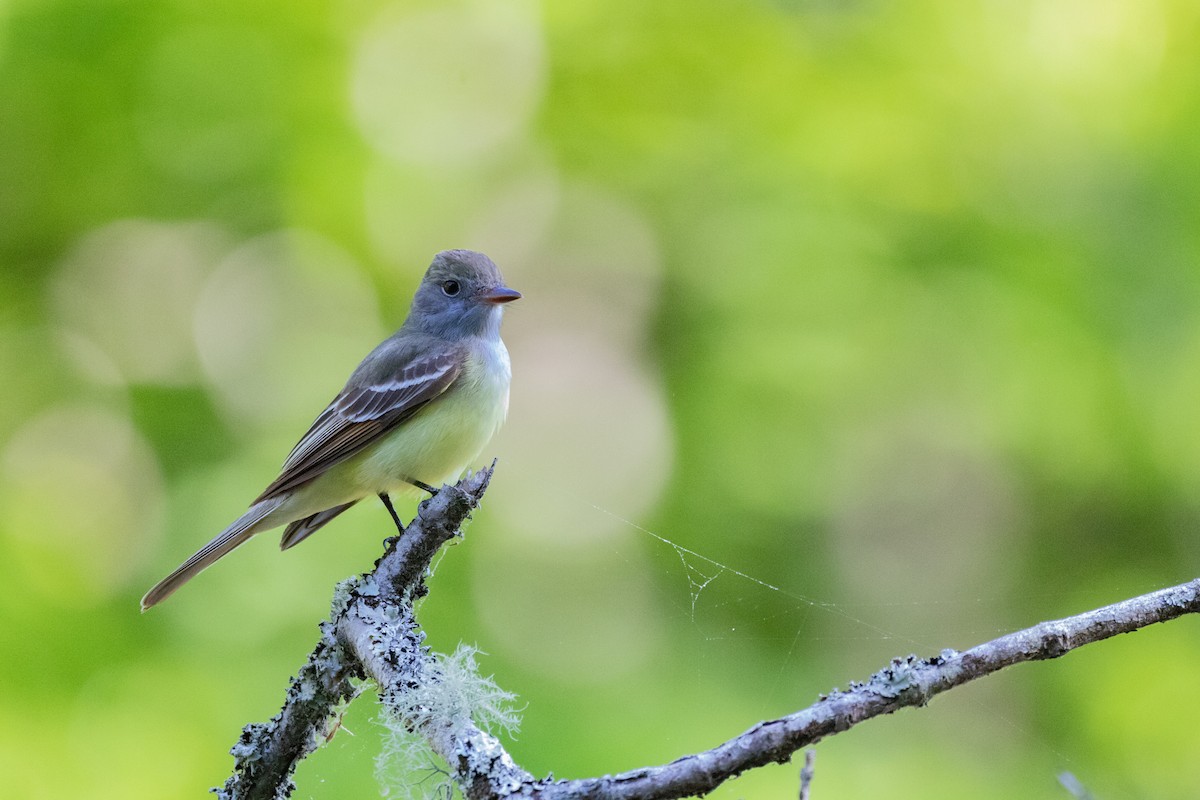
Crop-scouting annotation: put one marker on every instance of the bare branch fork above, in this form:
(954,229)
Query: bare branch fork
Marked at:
(373,634)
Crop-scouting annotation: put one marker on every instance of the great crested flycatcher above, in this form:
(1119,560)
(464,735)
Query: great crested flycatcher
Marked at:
(415,413)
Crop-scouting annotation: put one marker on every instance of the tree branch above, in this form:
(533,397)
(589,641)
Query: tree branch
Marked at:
(373,633)
(905,682)
(806,773)
(266,754)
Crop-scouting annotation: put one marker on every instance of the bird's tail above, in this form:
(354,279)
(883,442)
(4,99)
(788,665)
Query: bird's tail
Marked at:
(301,529)
(242,529)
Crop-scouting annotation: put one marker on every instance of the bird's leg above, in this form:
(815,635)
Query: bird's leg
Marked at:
(387,502)
(425,487)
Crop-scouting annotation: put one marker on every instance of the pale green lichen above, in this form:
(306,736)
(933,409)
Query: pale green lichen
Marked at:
(341,596)
(449,694)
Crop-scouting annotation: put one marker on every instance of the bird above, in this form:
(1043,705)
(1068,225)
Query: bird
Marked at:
(414,414)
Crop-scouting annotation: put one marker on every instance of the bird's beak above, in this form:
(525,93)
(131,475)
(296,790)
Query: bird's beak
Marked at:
(499,294)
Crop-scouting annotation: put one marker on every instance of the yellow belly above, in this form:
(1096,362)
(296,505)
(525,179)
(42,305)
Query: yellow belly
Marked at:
(435,445)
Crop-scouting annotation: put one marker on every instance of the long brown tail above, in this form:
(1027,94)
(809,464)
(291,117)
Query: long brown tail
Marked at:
(242,529)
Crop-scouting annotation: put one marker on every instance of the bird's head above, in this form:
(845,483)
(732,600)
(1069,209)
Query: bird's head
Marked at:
(462,295)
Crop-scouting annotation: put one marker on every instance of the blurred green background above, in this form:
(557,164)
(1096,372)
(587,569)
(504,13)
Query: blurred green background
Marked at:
(890,312)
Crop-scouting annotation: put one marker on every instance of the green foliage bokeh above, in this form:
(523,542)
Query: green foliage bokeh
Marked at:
(887,315)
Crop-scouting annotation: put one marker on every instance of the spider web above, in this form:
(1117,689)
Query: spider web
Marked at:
(702,572)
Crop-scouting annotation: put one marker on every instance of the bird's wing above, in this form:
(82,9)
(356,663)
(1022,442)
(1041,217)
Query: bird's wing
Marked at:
(362,413)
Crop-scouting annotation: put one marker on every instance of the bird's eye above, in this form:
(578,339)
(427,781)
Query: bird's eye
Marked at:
(450,288)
